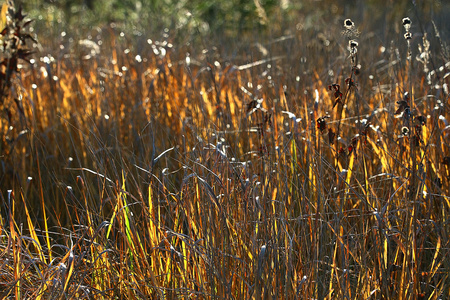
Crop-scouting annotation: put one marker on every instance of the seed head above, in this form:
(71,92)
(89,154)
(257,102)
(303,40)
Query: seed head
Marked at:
(352,44)
(350,30)
(405,130)
(348,24)
(406,23)
(353,47)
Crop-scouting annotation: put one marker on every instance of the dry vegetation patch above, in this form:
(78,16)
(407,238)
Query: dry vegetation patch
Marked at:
(311,165)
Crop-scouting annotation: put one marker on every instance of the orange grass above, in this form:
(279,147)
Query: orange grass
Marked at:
(163,176)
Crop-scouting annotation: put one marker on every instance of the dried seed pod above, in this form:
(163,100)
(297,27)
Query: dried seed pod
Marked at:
(322,124)
(421,120)
(402,106)
(350,29)
(406,23)
(405,130)
(352,44)
(348,24)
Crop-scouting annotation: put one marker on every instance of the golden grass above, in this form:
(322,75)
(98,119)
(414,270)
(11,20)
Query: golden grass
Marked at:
(164,177)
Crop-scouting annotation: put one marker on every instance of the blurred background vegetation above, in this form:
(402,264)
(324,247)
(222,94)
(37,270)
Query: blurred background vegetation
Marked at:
(230,18)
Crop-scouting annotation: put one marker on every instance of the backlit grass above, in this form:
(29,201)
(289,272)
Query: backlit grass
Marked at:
(139,169)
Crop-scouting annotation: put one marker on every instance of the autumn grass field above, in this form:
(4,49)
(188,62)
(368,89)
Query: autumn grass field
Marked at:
(307,164)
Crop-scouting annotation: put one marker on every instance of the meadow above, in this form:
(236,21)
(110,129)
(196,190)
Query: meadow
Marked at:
(310,161)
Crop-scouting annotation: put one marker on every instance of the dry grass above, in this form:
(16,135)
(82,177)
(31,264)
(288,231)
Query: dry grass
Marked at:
(162,176)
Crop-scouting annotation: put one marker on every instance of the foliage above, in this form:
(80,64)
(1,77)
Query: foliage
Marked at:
(217,16)
(13,51)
